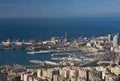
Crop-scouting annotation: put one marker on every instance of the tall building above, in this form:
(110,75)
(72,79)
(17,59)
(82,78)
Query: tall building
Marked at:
(115,41)
(109,38)
(65,39)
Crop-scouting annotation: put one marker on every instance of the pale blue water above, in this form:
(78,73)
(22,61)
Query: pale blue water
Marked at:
(45,28)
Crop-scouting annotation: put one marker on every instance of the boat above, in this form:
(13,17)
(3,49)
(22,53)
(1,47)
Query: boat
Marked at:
(37,52)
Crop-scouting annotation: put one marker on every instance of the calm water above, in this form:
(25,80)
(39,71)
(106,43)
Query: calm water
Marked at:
(45,28)
(21,57)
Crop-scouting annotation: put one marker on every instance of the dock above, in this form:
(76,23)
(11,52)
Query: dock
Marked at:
(59,54)
(44,62)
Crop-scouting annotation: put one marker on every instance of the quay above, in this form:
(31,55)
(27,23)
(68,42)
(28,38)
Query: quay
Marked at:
(60,54)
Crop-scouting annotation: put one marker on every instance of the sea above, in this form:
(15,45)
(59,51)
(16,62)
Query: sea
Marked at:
(45,28)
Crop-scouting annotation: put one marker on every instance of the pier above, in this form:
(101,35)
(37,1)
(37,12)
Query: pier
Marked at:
(60,54)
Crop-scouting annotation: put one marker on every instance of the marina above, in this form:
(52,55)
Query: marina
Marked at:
(59,40)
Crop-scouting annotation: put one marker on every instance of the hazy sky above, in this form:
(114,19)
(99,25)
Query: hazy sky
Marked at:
(59,8)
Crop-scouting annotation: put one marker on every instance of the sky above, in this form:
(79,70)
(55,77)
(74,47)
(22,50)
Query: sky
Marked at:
(58,8)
